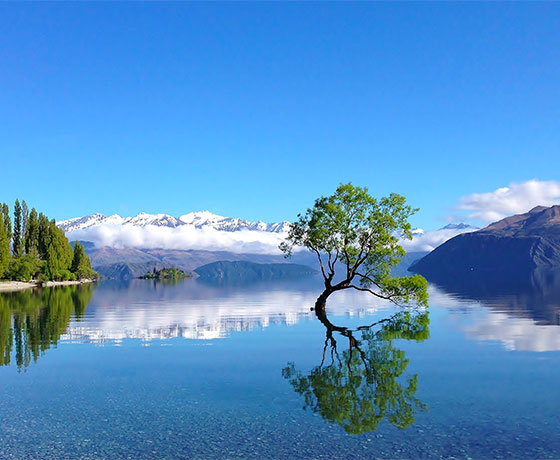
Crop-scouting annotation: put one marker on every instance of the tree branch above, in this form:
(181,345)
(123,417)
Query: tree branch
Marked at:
(377,294)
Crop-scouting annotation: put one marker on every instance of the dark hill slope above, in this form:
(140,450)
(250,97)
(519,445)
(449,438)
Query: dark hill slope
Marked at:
(249,271)
(510,247)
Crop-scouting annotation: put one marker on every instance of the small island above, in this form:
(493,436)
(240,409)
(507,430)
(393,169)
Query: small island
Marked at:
(165,274)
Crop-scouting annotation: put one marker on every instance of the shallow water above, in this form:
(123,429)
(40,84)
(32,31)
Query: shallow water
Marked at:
(191,370)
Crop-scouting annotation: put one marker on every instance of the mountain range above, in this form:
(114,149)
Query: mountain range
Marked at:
(128,247)
(508,249)
(200,219)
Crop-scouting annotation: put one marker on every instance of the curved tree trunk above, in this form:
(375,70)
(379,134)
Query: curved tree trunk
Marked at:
(321,311)
(321,302)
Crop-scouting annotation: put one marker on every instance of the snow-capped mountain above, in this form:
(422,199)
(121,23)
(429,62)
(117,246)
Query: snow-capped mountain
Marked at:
(201,219)
(427,240)
(459,226)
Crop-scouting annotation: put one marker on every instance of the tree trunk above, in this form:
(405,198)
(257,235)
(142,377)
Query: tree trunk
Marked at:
(321,311)
(321,302)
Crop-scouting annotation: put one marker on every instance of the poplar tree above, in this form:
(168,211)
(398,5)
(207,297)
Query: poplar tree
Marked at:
(43,235)
(32,234)
(4,250)
(7,221)
(17,242)
(24,219)
(38,246)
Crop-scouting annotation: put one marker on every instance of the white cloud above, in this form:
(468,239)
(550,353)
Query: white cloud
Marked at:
(431,239)
(517,198)
(182,237)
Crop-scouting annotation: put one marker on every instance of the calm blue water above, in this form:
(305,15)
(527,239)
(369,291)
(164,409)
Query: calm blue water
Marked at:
(195,371)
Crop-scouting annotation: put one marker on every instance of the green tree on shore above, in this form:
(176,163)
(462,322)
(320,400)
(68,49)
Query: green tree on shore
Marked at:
(39,249)
(7,220)
(32,234)
(17,242)
(81,265)
(58,253)
(4,249)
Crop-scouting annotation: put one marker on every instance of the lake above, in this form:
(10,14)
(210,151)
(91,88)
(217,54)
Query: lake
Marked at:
(190,370)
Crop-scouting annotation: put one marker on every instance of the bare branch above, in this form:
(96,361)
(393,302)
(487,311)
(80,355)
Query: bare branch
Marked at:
(320,263)
(377,294)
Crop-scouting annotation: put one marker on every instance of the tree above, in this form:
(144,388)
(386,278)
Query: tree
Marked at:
(32,234)
(25,267)
(7,221)
(81,265)
(24,220)
(59,253)
(40,249)
(4,249)
(17,243)
(354,231)
(43,235)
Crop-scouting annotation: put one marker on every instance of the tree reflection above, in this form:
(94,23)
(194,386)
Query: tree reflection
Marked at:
(32,321)
(365,384)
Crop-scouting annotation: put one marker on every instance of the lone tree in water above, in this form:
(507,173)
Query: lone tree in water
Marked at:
(358,235)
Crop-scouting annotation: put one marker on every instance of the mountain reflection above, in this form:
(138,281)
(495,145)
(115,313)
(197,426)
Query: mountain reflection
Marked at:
(32,321)
(522,313)
(364,384)
(535,295)
(189,309)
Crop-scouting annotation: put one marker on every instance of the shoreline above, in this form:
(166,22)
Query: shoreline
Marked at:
(10,286)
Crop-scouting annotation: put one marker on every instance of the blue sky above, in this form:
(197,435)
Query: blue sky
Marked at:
(253,110)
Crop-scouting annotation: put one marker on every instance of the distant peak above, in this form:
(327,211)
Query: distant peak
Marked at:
(458,226)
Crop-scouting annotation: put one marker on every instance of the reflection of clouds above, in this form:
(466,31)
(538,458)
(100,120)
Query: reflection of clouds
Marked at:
(201,317)
(515,333)
(192,310)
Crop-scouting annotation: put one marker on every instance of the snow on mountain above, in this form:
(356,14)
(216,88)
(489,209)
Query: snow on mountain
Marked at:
(199,219)
(78,223)
(207,219)
(208,231)
(161,220)
(425,241)
(459,226)
(196,230)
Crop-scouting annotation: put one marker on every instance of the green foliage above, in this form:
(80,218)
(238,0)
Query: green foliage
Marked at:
(42,240)
(362,233)
(32,321)
(17,242)
(24,219)
(4,249)
(40,249)
(81,265)
(7,220)
(58,252)
(366,384)
(25,267)
(32,234)
(165,274)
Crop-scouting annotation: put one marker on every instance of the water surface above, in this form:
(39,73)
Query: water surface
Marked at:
(192,370)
